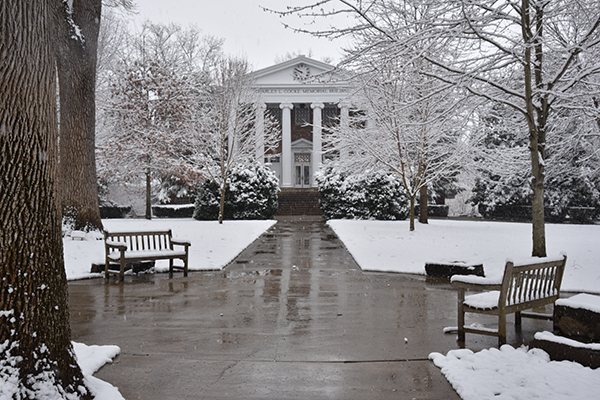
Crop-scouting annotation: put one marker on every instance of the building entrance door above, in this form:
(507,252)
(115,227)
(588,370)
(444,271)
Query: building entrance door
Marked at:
(302,170)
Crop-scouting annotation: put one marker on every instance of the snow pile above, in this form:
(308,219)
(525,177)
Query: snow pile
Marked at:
(389,246)
(509,373)
(90,360)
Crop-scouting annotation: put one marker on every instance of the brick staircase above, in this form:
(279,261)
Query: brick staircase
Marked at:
(298,202)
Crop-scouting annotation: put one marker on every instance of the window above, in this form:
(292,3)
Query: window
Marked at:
(302,114)
(330,115)
(302,157)
(274,112)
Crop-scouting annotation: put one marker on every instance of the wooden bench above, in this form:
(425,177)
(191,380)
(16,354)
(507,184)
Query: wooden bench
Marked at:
(125,247)
(524,286)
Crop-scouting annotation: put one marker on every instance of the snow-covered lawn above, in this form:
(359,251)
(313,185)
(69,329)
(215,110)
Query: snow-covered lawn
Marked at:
(213,246)
(389,246)
(507,373)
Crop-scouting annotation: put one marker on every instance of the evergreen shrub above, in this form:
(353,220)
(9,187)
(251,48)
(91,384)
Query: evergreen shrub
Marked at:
(376,195)
(250,193)
(115,211)
(566,200)
(173,211)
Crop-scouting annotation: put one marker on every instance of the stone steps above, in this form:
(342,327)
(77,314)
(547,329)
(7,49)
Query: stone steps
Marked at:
(299,202)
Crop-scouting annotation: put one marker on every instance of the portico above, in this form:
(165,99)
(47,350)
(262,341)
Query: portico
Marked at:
(304,96)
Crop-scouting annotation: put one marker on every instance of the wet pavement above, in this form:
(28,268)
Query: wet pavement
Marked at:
(293,317)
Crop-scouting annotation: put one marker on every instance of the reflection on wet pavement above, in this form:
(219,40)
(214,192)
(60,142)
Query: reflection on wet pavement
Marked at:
(292,317)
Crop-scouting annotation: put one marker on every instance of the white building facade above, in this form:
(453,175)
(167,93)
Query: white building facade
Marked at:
(306,97)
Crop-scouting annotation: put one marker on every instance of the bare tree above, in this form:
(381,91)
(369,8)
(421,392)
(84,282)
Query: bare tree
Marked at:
(531,55)
(227,134)
(35,337)
(407,126)
(150,113)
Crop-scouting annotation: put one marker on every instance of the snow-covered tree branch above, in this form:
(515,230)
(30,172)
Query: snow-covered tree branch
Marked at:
(231,129)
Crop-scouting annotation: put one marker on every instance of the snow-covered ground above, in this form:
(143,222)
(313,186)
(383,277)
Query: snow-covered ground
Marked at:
(516,374)
(389,246)
(505,373)
(213,246)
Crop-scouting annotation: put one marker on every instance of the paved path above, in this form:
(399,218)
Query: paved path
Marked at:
(293,317)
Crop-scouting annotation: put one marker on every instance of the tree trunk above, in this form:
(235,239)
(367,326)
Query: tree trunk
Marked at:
(423,205)
(148,195)
(77,85)
(538,221)
(412,213)
(34,316)
(222,203)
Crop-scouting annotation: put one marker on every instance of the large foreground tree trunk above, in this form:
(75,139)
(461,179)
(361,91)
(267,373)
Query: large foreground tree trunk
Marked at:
(77,53)
(35,337)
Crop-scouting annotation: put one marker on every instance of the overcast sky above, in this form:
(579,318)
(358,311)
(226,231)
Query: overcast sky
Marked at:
(247,29)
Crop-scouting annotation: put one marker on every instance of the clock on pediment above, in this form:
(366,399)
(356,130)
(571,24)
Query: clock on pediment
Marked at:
(301,72)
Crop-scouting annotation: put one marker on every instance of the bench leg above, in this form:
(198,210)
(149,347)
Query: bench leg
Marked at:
(185,267)
(518,319)
(122,271)
(170,268)
(501,329)
(461,315)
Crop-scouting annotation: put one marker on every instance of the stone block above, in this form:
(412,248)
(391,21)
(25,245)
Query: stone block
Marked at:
(563,351)
(138,266)
(578,318)
(446,270)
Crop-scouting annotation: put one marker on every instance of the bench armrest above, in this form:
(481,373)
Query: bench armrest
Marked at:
(116,245)
(181,242)
(475,282)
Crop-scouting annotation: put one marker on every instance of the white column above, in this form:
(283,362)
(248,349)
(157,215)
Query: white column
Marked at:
(286,144)
(317,139)
(260,133)
(344,122)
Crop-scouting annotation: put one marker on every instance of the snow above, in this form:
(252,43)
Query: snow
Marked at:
(509,373)
(485,300)
(90,360)
(476,280)
(582,300)
(550,337)
(213,245)
(389,246)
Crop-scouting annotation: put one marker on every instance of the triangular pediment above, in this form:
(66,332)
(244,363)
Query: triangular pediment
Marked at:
(302,144)
(297,71)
